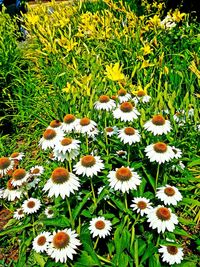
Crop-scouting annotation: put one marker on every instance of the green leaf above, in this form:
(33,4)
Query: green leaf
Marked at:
(190,201)
(39,259)
(194,162)
(14,229)
(151,249)
(85,260)
(60,221)
(181,232)
(77,210)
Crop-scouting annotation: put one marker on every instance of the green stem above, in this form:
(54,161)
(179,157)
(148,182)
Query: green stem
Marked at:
(103,259)
(157,174)
(93,193)
(87,145)
(70,214)
(129,152)
(95,245)
(70,165)
(125,200)
(136,220)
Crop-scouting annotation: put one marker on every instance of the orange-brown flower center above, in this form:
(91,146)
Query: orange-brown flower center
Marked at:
(104,99)
(35,171)
(114,97)
(50,212)
(20,212)
(109,129)
(126,107)
(129,131)
(141,93)
(88,161)
(4,163)
(84,121)
(19,174)
(122,92)
(49,134)
(69,118)
(14,154)
(163,214)
(160,147)
(172,250)
(55,123)
(100,225)
(123,174)
(31,204)
(61,240)
(169,191)
(41,240)
(158,120)
(142,205)
(66,141)
(60,175)
(9,185)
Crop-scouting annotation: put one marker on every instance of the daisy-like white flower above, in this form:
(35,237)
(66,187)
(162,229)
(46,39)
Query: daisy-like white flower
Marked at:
(141,96)
(89,165)
(62,182)
(104,103)
(18,214)
(179,117)
(31,205)
(177,152)
(129,135)
(67,144)
(41,242)
(10,193)
(66,156)
(159,152)
(16,156)
(63,245)
(171,254)
(55,125)
(170,195)
(111,130)
(69,123)
(100,189)
(1,192)
(19,177)
(158,125)
(123,96)
(50,138)
(122,154)
(6,164)
(100,227)
(124,179)
(36,170)
(178,167)
(168,22)
(162,218)
(126,112)
(49,212)
(142,205)
(85,126)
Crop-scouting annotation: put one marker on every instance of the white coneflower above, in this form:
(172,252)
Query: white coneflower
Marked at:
(50,138)
(67,144)
(179,117)
(110,131)
(121,153)
(168,22)
(158,125)
(49,212)
(141,96)
(89,165)
(18,214)
(177,152)
(36,170)
(55,125)
(129,135)
(171,254)
(66,156)
(19,177)
(85,126)
(31,205)
(62,182)
(178,167)
(142,205)
(69,123)
(159,152)
(123,96)
(16,156)
(10,193)
(100,227)
(1,192)
(6,164)
(170,195)
(104,103)
(124,179)
(63,245)
(162,218)
(41,242)
(126,112)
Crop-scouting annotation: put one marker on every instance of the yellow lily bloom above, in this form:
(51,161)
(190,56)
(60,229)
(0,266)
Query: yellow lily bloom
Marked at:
(177,16)
(114,72)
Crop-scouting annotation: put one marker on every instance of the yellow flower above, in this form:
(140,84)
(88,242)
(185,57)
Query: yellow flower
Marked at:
(114,72)
(166,70)
(194,69)
(67,44)
(146,64)
(177,16)
(69,88)
(146,49)
(32,19)
(155,21)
